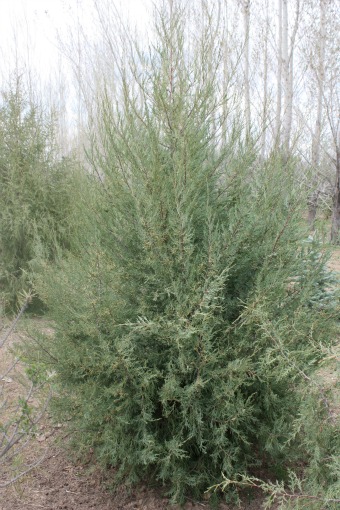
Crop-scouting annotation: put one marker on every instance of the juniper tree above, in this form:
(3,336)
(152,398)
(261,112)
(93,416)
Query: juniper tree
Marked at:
(187,324)
(36,195)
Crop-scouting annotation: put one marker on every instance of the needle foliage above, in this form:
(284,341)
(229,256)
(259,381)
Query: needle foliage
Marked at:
(188,322)
(36,194)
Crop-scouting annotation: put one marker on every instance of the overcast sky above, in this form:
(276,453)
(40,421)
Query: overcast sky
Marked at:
(29,28)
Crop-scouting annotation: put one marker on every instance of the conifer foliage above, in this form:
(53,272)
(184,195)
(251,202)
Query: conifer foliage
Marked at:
(35,194)
(187,324)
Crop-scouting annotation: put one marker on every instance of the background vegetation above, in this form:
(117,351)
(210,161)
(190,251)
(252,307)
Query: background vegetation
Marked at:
(37,193)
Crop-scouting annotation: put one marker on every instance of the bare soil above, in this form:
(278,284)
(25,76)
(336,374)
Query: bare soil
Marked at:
(57,484)
(334,263)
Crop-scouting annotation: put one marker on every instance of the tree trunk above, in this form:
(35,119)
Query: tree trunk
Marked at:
(246,16)
(320,82)
(290,91)
(313,199)
(265,86)
(335,230)
(277,133)
(285,79)
(312,208)
(226,63)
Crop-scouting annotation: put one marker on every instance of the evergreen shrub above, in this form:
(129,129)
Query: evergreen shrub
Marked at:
(37,220)
(187,325)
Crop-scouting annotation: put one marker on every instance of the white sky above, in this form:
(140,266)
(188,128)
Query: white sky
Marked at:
(28,31)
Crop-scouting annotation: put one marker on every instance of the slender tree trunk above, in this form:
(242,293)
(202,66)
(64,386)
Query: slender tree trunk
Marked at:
(79,83)
(265,86)
(171,55)
(285,80)
(320,75)
(335,229)
(320,85)
(290,90)
(277,132)
(313,207)
(246,19)
(226,64)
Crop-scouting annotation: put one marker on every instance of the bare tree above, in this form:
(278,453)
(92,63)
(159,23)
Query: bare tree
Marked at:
(246,29)
(287,55)
(335,229)
(289,76)
(287,98)
(265,81)
(316,136)
(333,115)
(277,132)
(320,78)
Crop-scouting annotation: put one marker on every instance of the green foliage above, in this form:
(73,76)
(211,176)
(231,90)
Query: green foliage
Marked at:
(36,195)
(326,286)
(290,496)
(187,325)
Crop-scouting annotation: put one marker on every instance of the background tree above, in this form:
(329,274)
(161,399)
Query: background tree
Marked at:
(36,194)
(321,121)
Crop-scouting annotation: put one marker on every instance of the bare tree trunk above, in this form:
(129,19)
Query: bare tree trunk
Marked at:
(171,56)
(286,80)
(313,198)
(290,91)
(265,86)
(277,133)
(246,18)
(320,83)
(225,73)
(79,80)
(335,229)
(332,107)
(313,207)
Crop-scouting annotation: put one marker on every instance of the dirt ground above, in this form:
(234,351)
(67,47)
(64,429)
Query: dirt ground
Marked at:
(58,483)
(334,263)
